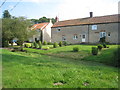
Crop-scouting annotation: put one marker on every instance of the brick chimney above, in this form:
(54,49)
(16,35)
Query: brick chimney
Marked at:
(91,14)
(57,19)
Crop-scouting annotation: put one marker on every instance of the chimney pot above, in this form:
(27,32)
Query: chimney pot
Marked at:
(91,14)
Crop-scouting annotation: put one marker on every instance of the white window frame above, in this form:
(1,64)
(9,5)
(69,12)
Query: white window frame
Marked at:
(94,27)
(75,37)
(102,34)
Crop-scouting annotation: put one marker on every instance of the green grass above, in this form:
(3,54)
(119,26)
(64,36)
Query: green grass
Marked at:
(105,56)
(33,70)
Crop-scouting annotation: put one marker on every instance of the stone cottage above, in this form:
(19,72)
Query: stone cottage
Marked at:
(43,31)
(87,30)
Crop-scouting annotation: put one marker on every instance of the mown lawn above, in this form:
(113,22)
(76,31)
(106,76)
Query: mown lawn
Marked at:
(105,56)
(35,70)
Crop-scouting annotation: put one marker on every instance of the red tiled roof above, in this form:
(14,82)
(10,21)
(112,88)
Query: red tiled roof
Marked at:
(93,20)
(39,26)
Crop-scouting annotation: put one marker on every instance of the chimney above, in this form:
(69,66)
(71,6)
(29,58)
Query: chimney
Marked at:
(91,14)
(50,21)
(57,19)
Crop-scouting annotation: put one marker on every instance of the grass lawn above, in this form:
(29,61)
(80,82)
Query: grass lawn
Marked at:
(105,56)
(35,70)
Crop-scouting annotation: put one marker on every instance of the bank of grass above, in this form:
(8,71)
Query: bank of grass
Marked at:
(33,70)
(105,56)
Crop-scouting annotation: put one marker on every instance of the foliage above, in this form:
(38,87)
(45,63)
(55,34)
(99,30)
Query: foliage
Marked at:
(27,45)
(75,49)
(94,50)
(65,43)
(46,48)
(55,45)
(104,45)
(6,14)
(15,28)
(32,45)
(44,43)
(103,39)
(60,43)
(50,43)
(19,42)
(100,46)
(40,45)
(36,45)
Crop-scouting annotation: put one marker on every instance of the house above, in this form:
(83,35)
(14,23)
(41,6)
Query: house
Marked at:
(87,30)
(43,32)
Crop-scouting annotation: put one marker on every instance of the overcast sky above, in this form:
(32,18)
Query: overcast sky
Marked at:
(64,9)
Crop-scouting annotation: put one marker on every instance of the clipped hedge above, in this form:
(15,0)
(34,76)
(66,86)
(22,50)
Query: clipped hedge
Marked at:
(60,44)
(100,46)
(44,43)
(40,45)
(75,49)
(27,45)
(55,45)
(94,50)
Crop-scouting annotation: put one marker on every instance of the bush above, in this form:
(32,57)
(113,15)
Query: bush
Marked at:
(100,46)
(46,48)
(104,45)
(60,43)
(75,49)
(36,45)
(116,58)
(49,43)
(40,45)
(27,45)
(65,43)
(55,45)
(5,43)
(44,43)
(32,45)
(19,42)
(94,51)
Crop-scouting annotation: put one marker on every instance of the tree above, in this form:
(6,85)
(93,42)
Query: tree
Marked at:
(43,19)
(6,14)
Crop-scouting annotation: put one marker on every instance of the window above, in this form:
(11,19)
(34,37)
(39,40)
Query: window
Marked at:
(63,37)
(83,36)
(109,34)
(94,27)
(102,34)
(58,29)
(75,36)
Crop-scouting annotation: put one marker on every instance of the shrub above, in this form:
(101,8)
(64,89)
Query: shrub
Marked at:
(65,43)
(94,51)
(104,45)
(36,45)
(40,44)
(32,45)
(46,48)
(116,58)
(60,43)
(44,43)
(49,43)
(19,42)
(100,46)
(27,45)
(75,49)
(55,45)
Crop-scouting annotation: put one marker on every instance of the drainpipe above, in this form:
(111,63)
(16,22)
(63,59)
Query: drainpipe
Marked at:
(88,34)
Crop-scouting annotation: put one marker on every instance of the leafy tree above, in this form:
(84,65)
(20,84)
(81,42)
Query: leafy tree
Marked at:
(43,19)
(6,14)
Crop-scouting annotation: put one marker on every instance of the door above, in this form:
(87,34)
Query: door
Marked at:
(83,38)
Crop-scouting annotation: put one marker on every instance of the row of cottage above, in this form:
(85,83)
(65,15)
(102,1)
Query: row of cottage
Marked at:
(83,30)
